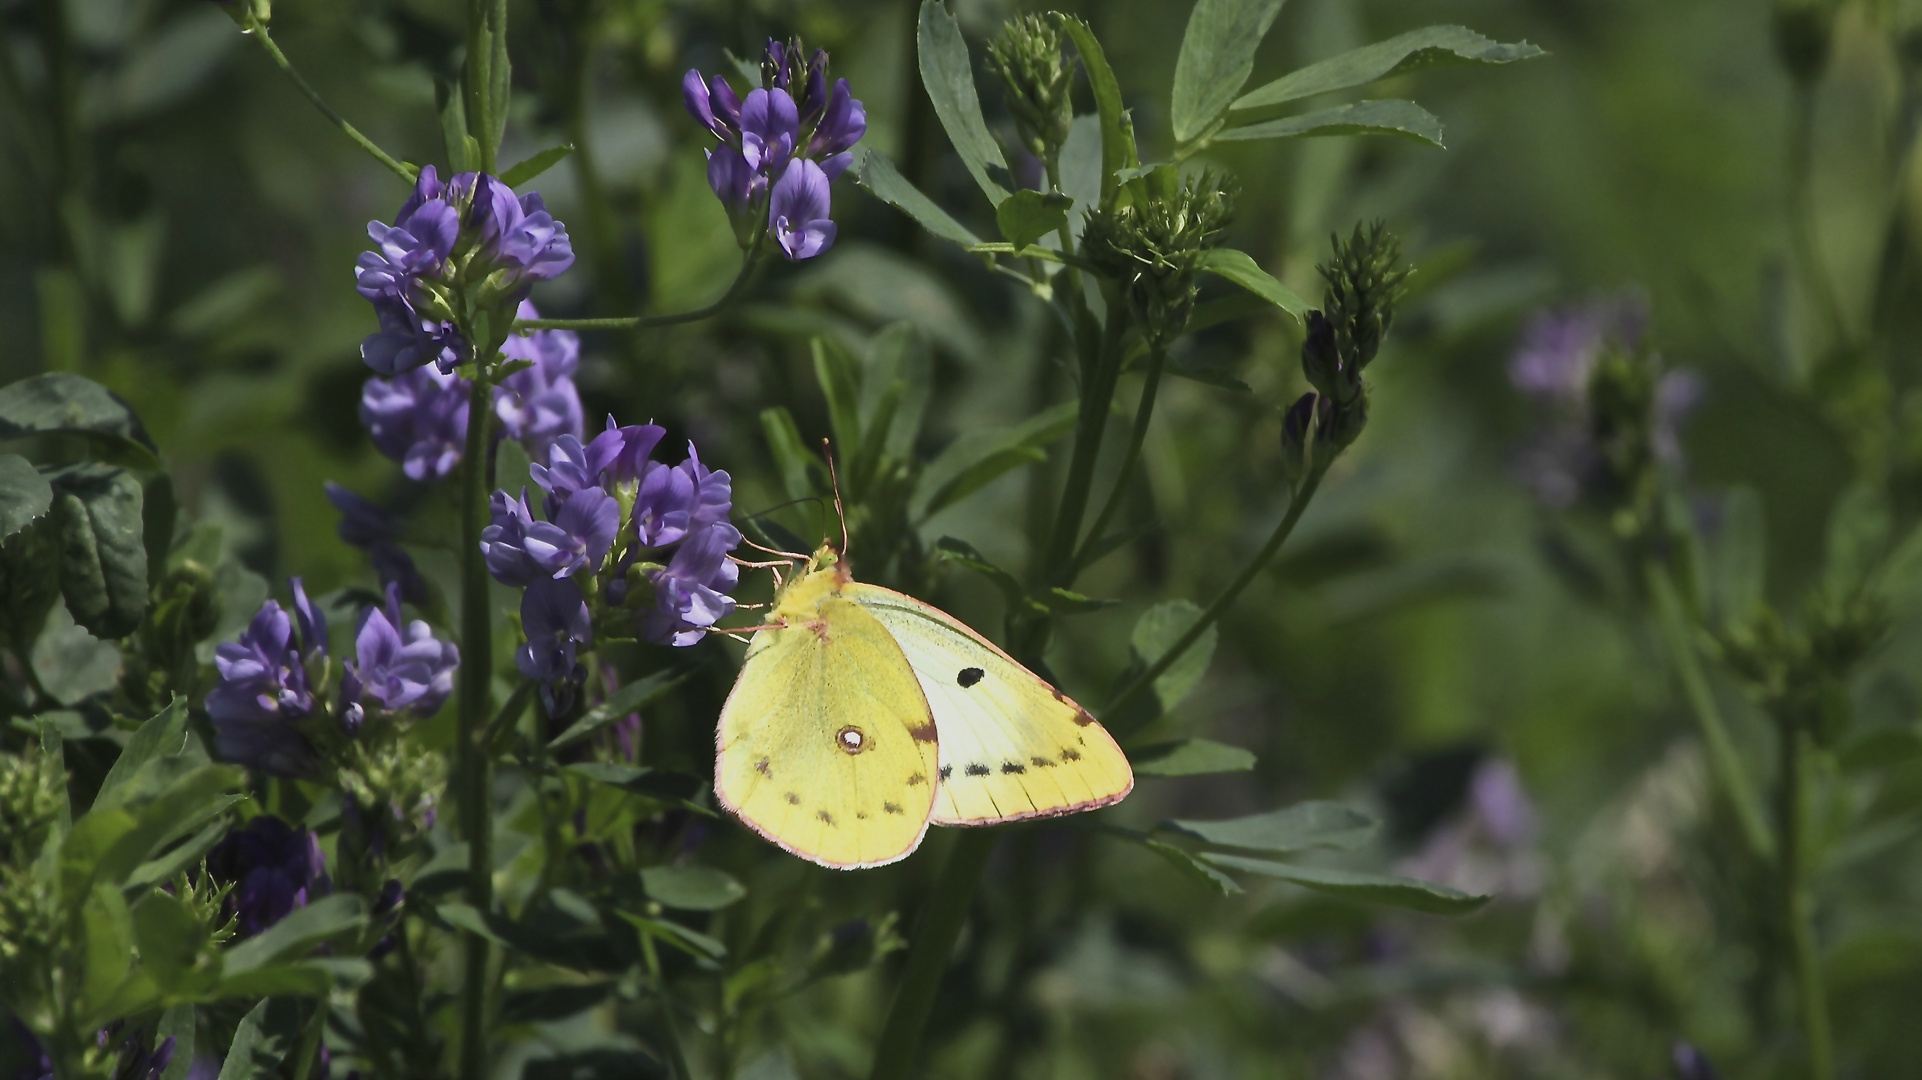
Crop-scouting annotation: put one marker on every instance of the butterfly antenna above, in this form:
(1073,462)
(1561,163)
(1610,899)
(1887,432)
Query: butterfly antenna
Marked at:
(834,479)
(788,555)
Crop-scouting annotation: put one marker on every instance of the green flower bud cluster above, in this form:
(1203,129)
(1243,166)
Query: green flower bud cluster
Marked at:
(1800,674)
(184,611)
(31,791)
(1153,243)
(1365,278)
(1029,57)
(395,787)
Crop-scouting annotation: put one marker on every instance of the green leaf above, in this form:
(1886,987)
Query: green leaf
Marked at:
(1881,748)
(963,553)
(628,698)
(177,1024)
(169,935)
(691,888)
(106,928)
(662,784)
(1190,757)
(1217,55)
(24,494)
(688,941)
(1375,888)
(1241,268)
(163,735)
(62,402)
(1858,535)
(181,859)
(791,455)
(1292,828)
(103,550)
(195,795)
(1027,215)
(1186,368)
(1390,117)
(1155,632)
(836,372)
(265,1036)
(1185,861)
(552,1003)
(1117,130)
(536,165)
(301,930)
(29,583)
(978,458)
(876,173)
(1431,46)
(1740,556)
(948,75)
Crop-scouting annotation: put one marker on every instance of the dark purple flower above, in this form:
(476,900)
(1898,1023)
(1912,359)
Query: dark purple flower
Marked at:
(1692,1064)
(408,340)
(769,126)
(395,670)
(798,211)
(503,542)
(842,124)
(690,592)
(517,234)
(571,466)
(579,536)
(673,502)
(736,183)
(555,618)
(373,530)
(419,419)
(540,403)
(263,689)
(273,867)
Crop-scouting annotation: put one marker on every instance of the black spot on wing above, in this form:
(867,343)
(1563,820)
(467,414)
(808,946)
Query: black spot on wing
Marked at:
(824,816)
(1041,763)
(978,769)
(947,771)
(1070,754)
(968,676)
(917,778)
(792,799)
(890,808)
(1013,767)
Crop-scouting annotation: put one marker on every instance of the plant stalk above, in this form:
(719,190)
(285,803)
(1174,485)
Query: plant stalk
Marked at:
(677,1059)
(929,952)
(642,322)
(1309,484)
(473,772)
(1724,763)
(1797,912)
(258,31)
(1144,412)
(1097,397)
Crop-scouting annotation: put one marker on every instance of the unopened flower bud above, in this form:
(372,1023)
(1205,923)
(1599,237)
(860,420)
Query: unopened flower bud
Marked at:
(1028,56)
(1297,438)
(1154,246)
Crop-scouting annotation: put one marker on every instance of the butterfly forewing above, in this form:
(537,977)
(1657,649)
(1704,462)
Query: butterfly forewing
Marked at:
(1011,746)
(826,745)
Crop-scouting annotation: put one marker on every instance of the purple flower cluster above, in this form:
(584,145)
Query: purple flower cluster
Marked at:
(266,679)
(398,666)
(781,147)
(375,531)
(1554,365)
(471,233)
(419,417)
(273,867)
(673,539)
(264,688)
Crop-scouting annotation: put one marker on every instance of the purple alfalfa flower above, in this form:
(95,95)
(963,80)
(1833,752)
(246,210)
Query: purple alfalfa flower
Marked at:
(675,501)
(843,121)
(1560,347)
(416,245)
(368,527)
(572,466)
(518,237)
(263,689)
(736,183)
(555,619)
(691,591)
(1691,1063)
(273,867)
(398,666)
(797,213)
(407,339)
(418,419)
(540,403)
(770,126)
(503,542)
(579,536)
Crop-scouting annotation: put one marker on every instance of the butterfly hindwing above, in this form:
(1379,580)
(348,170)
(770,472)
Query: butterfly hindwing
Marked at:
(1011,746)
(826,746)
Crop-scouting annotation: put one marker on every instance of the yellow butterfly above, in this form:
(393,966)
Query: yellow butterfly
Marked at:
(861,715)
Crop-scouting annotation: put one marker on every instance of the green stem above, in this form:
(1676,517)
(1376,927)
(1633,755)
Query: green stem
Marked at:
(641,322)
(1724,763)
(1144,412)
(258,31)
(310,1041)
(1797,910)
(1097,396)
(473,772)
(1309,484)
(676,1058)
(929,952)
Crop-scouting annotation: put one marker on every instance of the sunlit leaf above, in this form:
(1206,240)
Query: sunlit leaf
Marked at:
(1391,117)
(1217,55)
(1301,827)
(1352,885)
(948,75)
(1431,46)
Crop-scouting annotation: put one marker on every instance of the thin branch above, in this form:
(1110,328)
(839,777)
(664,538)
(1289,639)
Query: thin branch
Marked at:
(643,322)
(256,30)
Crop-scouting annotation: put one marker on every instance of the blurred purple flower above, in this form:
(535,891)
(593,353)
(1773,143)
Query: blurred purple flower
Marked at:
(1488,847)
(372,529)
(418,419)
(540,403)
(555,618)
(273,867)
(263,689)
(798,212)
(396,671)
(1559,348)
(1692,1064)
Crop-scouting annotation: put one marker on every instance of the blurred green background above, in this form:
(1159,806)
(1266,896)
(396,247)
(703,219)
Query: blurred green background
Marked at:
(190,245)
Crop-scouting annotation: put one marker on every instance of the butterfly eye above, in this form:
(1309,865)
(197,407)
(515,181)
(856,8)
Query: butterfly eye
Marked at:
(851,739)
